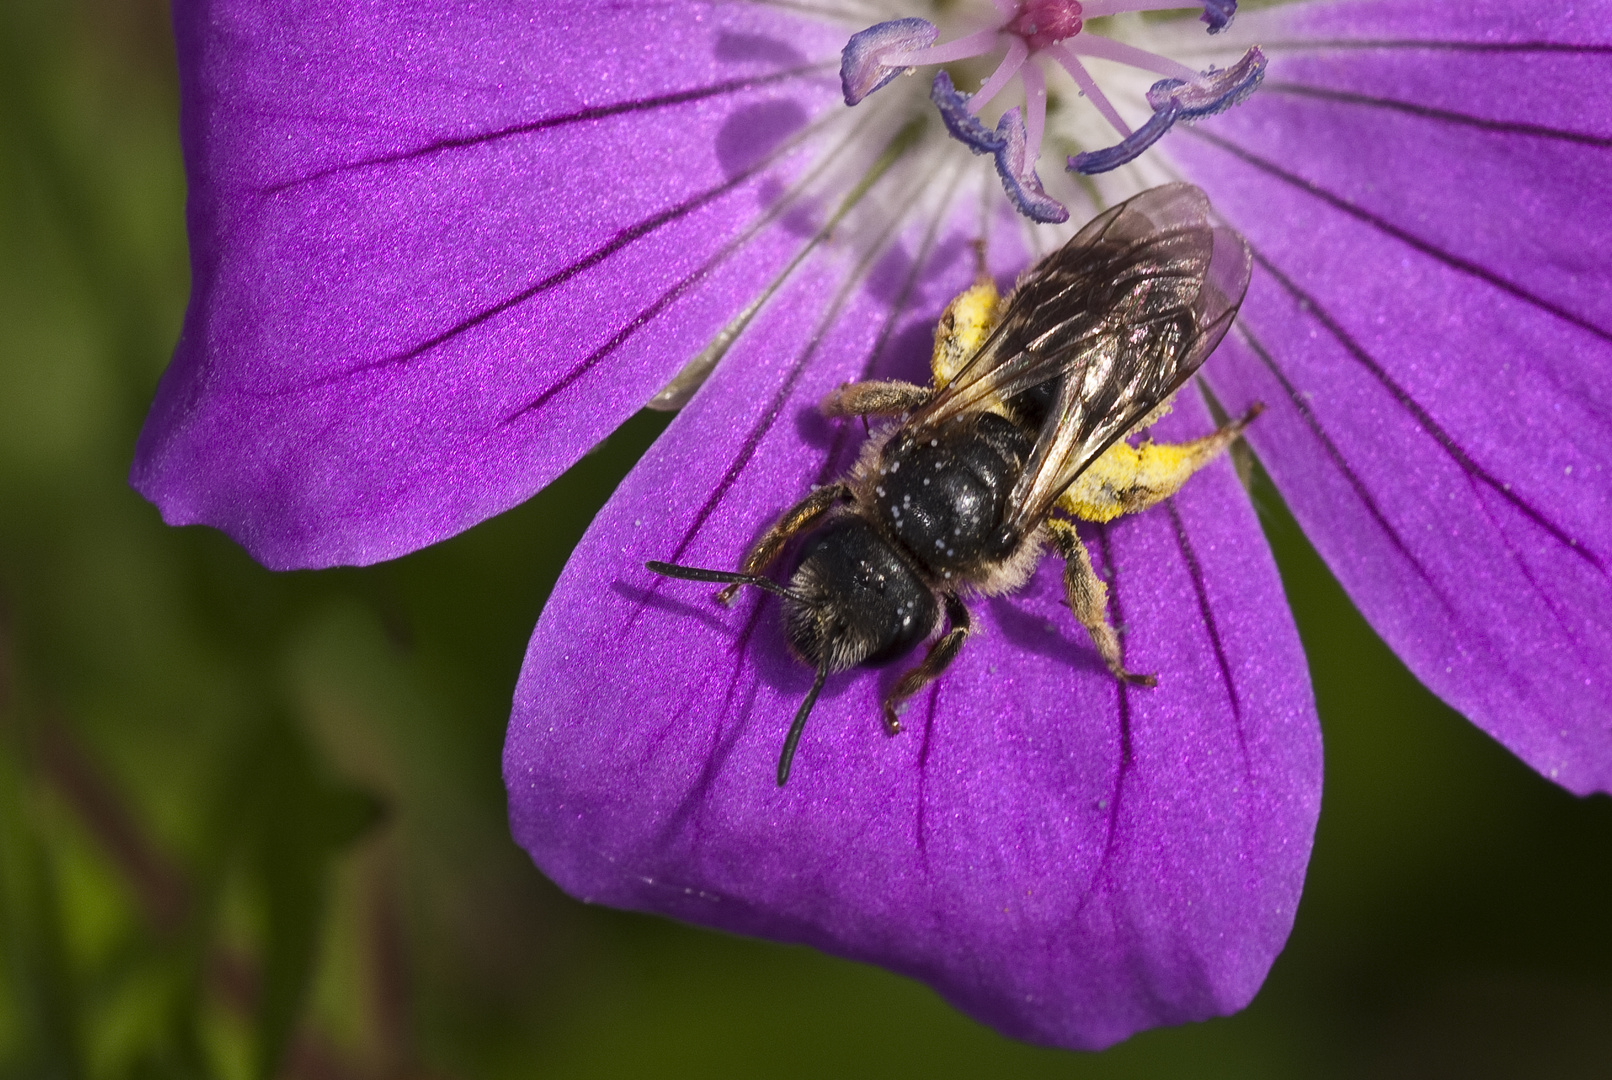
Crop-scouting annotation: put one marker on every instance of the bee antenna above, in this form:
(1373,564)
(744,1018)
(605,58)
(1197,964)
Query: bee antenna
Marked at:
(787,758)
(719,577)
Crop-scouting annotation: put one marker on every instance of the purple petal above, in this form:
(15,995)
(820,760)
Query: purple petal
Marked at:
(963,125)
(862,66)
(439,253)
(1431,324)
(1019,177)
(1061,860)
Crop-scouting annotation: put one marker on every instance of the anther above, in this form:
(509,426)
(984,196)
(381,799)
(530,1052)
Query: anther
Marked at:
(1034,31)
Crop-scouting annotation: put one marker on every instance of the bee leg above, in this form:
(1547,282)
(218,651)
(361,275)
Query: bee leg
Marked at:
(797,519)
(1087,596)
(1127,479)
(876,397)
(935,661)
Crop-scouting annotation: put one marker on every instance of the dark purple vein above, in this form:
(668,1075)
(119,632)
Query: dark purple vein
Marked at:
(1122,693)
(616,243)
(881,168)
(620,338)
(1428,112)
(1302,406)
(1523,568)
(1426,247)
(1424,419)
(921,821)
(583,115)
(670,296)
(1195,571)
(1567,47)
(769,417)
(689,807)
(897,310)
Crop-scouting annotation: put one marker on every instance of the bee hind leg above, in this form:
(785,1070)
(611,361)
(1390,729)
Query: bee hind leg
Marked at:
(1127,479)
(1087,596)
(796,520)
(935,661)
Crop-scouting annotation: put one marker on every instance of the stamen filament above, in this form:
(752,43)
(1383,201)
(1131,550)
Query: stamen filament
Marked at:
(1108,49)
(964,47)
(1088,86)
(1017,52)
(1035,110)
(1093,9)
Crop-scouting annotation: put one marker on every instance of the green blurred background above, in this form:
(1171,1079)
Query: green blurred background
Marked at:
(252,824)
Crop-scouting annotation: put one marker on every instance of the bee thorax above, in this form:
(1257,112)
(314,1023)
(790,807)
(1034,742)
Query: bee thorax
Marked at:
(943,498)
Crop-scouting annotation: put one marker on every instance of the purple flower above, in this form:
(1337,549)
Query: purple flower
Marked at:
(441,250)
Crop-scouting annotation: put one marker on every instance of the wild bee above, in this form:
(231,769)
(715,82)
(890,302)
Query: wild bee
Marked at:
(1031,401)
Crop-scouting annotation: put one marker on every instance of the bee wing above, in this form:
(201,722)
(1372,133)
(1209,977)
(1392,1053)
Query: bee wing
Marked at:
(1122,315)
(1136,369)
(1063,310)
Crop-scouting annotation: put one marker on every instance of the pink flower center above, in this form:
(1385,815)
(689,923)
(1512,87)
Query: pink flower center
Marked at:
(1045,22)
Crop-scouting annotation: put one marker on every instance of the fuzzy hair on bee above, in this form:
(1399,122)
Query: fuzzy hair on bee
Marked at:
(1020,432)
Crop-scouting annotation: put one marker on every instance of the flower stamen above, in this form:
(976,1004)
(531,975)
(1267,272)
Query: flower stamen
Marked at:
(1179,99)
(1088,86)
(1120,53)
(1018,52)
(962,48)
(1054,30)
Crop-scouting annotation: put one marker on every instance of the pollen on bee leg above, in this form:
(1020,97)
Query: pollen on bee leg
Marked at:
(964,325)
(1127,479)
(1087,597)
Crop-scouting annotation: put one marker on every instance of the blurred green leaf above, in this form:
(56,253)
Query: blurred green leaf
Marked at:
(298,820)
(1454,922)
(42,985)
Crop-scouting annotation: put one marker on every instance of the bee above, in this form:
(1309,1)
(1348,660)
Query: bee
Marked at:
(1022,430)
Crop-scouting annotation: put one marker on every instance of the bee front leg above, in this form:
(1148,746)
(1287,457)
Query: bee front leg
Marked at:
(1087,596)
(935,661)
(876,397)
(796,520)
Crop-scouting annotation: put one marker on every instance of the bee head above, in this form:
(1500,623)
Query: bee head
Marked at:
(853,600)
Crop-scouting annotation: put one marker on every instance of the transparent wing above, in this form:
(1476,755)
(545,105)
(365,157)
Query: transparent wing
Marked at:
(1120,316)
